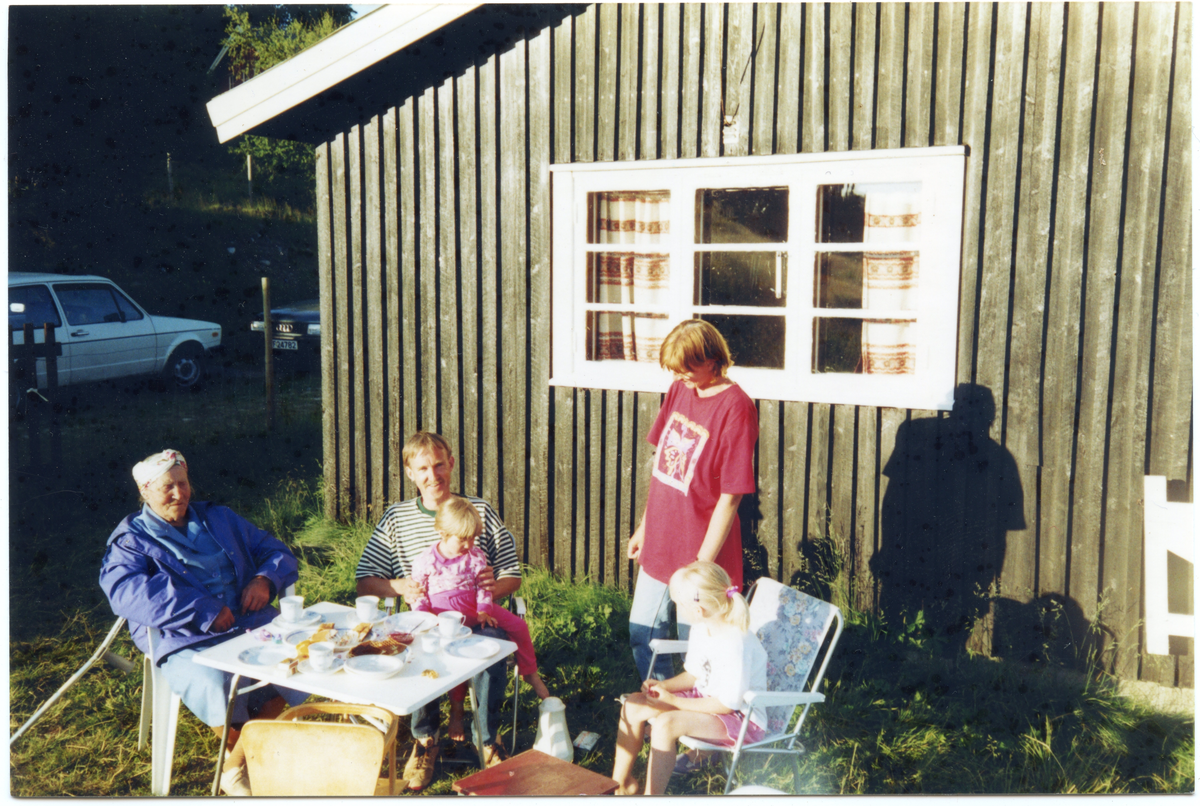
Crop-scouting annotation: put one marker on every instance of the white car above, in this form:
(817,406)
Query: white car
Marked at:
(104,334)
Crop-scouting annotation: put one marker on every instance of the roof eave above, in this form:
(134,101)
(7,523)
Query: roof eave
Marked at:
(350,50)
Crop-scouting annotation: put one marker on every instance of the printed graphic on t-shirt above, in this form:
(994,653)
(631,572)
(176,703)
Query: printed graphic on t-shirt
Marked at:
(679,449)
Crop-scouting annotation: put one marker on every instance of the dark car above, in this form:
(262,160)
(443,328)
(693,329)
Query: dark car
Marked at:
(297,326)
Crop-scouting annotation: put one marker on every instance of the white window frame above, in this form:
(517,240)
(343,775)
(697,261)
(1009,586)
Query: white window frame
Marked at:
(941,174)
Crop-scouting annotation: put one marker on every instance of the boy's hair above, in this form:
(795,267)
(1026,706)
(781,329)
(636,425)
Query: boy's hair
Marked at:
(423,441)
(692,342)
(459,518)
(713,590)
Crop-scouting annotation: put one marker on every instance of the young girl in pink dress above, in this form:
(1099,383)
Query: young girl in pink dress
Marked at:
(446,573)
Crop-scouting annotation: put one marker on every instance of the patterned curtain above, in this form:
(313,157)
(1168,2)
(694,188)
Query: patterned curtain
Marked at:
(890,278)
(642,278)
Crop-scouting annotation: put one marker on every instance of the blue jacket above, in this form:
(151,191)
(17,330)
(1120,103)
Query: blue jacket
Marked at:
(150,587)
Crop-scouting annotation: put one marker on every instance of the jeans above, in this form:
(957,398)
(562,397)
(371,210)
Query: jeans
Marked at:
(651,616)
(489,687)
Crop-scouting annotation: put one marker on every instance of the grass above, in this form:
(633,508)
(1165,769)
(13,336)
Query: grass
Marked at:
(898,720)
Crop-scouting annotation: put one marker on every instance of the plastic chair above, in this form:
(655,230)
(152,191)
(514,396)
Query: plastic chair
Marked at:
(792,627)
(286,757)
(518,607)
(160,707)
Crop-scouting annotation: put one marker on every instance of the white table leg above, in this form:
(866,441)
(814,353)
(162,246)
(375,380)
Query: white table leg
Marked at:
(233,692)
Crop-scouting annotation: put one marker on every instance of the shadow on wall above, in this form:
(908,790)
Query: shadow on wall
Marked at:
(953,495)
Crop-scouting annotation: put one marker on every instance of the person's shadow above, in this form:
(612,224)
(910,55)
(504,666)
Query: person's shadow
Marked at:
(953,494)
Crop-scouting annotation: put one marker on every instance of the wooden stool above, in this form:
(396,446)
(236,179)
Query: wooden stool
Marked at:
(535,773)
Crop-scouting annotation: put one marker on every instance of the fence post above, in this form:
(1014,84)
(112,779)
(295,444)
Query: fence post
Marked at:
(33,413)
(51,389)
(268,354)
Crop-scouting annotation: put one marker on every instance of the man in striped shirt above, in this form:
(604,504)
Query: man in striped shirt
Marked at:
(402,534)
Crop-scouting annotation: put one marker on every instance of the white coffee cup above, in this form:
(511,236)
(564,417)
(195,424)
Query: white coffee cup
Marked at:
(367,607)
(292,608)
(449,623)
(320,655)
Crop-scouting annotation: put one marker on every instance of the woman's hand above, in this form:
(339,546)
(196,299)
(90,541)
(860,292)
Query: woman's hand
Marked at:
(636,540)
(654,690)
(223,621)
(485,618)
(255,595)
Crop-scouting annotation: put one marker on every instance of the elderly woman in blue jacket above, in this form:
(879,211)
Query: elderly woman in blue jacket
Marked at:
(200,574)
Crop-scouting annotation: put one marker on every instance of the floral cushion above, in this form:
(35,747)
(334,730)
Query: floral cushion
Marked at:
(791,626)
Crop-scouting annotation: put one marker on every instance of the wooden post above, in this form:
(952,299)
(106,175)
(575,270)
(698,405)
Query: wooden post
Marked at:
(33,412)
(249,176)
(268,355)
(51,390)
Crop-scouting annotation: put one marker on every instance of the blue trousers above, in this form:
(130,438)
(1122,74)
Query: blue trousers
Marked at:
(651,616)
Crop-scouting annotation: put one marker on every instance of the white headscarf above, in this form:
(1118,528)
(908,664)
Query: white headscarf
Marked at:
(155,465)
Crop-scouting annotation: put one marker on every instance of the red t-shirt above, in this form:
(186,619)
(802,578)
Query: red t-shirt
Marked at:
(705,447)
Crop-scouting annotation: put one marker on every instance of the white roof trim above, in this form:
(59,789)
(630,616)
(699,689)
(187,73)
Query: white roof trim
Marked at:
(369,39)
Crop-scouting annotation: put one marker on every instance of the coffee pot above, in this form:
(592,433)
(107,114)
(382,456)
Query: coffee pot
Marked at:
(552,736)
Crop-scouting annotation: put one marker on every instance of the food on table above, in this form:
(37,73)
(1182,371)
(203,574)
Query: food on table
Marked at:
(430,673)
(302,649)
(289,666)
(361,630)
(403,637)
(328,625)
(385,646)
(324,634)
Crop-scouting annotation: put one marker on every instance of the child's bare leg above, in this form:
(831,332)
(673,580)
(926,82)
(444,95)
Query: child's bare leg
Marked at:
(635,713)
(455,728)
(664,742)
(535,681)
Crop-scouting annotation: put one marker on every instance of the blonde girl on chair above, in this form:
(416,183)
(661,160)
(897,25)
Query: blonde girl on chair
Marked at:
(724,661)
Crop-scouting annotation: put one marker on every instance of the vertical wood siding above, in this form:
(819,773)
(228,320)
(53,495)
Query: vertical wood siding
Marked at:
(1075,299)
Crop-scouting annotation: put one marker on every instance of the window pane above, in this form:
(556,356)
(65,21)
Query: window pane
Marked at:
(754,341)
(863,213)
(758,215)
(870,280)
(741,278)
(127,308)
(88,304)
(873,346)
(39,307)
(628,277)
(629,216)
(616,336)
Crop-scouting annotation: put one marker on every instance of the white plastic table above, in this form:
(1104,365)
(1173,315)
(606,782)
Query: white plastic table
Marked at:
(401,693)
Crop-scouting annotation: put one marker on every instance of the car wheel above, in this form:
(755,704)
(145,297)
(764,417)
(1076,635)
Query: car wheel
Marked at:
(185,368)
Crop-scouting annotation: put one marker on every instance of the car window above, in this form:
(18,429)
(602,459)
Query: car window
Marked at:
(88,304)
(126,306)
(38,307)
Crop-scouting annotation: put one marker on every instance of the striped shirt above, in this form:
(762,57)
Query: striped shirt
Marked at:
(406,530)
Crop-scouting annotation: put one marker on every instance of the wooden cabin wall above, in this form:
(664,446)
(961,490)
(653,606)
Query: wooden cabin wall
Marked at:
(1075,299)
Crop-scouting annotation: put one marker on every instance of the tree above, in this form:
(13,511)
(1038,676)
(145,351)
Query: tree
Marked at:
(260,37)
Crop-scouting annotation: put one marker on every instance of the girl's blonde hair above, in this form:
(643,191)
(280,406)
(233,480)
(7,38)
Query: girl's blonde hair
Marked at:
(459,518)
(714,591)
(692,342)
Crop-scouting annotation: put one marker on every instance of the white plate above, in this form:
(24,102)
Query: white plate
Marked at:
(475,647)
(309,617)
(266,655)
(376,667)
(306,667)
(294,638)
(413,621)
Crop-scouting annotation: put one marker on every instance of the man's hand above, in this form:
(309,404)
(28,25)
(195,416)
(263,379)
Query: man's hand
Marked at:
(223,621)
(485,579)
(255,595)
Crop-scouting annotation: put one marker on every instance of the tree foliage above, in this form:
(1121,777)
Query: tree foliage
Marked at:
(259,37)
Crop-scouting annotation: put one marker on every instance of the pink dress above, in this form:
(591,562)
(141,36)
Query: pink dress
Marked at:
(449,584)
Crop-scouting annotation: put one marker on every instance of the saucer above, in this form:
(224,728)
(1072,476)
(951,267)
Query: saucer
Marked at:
(266,655)
(306,667)
(309,618)
(463,631)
